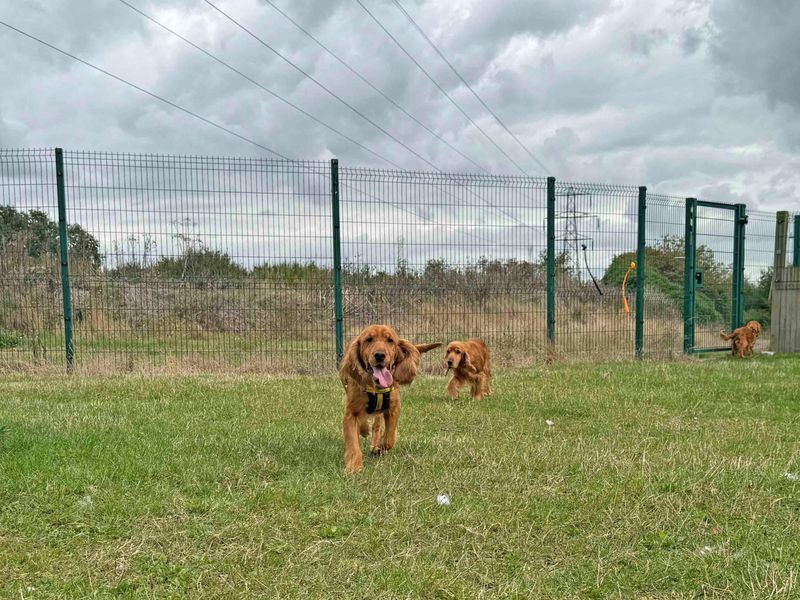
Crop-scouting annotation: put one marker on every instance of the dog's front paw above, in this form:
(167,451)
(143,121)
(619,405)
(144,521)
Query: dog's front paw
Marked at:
(354,466)
(379,450)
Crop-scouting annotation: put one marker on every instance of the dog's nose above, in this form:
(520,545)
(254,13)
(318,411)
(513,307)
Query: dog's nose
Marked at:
(379,357)
(449,363)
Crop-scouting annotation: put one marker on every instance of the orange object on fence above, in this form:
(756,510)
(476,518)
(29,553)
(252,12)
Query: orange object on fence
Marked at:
(625,281)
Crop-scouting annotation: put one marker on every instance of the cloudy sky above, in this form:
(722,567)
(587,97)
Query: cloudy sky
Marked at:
(692,97)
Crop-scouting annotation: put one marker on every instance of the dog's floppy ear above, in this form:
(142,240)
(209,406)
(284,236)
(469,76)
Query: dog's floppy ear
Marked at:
(405,369)
(352,367)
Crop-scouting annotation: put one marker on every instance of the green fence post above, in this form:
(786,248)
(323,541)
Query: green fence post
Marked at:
(551,265)
(743,220)
(689,274)
(337,261)
(66,290)
(796,246)
(737,314)
(641,238)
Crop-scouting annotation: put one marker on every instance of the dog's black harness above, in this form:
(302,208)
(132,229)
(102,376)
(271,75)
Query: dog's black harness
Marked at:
(378,399)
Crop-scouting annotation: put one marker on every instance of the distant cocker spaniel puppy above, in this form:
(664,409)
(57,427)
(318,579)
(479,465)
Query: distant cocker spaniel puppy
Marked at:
(470,363)
(743,339)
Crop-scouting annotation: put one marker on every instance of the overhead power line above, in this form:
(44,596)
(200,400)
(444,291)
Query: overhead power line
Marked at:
(204,119)
(320,84)
(144,91)
(374,87)
(441,89)
(469,87)
(359,113)
(225,64)
(259,85)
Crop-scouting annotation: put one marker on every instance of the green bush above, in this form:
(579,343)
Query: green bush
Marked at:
(200,266)
(290,272)
(756,299)
(9,339)
(41,235)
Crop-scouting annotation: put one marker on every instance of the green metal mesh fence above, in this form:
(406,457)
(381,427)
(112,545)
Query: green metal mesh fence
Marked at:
(759,256)
(595,244)
(663,330)
(445,257)
(196,262)
(713,299)
(31,315)
(192,261)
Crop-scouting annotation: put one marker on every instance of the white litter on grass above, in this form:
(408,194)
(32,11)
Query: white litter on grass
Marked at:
(443,500)
(549,422)
(767,353)
(85,502)
(706,550)
(791,476)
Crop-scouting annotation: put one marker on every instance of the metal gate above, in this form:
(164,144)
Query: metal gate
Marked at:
(714,271)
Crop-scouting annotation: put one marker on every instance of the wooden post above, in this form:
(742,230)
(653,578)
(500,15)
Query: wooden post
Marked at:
(781,240)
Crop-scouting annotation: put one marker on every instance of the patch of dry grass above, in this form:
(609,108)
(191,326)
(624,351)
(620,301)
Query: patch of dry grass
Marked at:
(278,327)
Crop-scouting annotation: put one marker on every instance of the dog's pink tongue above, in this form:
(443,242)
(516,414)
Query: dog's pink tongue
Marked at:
(384,377)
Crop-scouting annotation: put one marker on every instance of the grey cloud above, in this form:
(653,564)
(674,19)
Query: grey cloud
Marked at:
(559,147)
(757,43)
(692,39)
(7,137)
(310,13)
(488,25)
(486,30)
(722,192)
(660,93)
(644,42)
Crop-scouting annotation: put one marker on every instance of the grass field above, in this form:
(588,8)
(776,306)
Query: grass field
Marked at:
(655,481)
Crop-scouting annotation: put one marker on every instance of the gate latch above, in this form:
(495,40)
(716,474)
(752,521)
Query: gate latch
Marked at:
(699,278)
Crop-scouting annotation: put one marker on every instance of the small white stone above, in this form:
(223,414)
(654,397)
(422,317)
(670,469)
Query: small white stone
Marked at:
(443,500)
(549,423)
(791,476)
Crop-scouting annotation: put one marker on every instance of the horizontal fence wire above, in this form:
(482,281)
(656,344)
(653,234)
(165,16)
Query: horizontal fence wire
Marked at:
(200,262)
(595,244)
(31,315)
(447,257)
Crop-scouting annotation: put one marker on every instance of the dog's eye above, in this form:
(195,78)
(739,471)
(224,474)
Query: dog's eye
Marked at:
(390,340)
(369,339)
(458,351)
